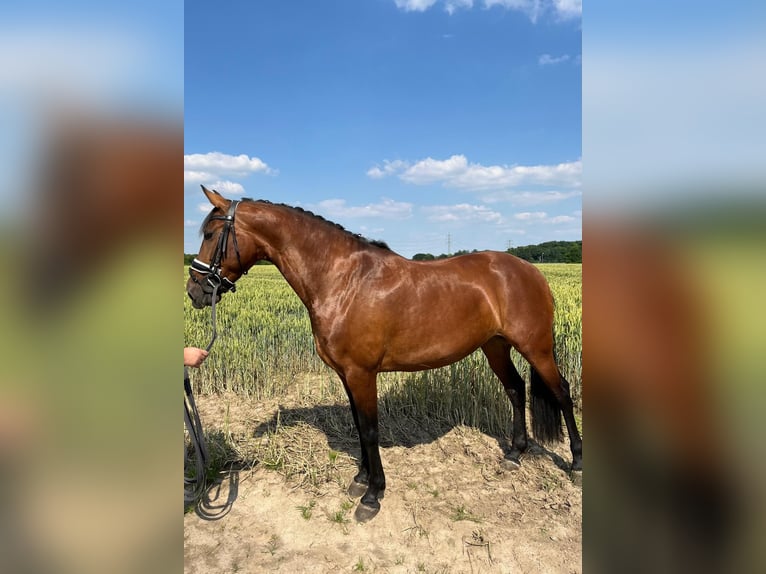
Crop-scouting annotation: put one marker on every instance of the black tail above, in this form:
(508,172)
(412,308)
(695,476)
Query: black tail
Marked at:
(546,411)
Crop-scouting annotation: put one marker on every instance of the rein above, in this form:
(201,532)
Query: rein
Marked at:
(195,485)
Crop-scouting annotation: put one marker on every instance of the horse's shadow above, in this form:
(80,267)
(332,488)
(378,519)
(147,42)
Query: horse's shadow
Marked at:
(400,424)
(221,489)
(402,429)
(218,498)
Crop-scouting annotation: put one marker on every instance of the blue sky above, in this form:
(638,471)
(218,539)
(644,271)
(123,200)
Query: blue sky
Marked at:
(410,121)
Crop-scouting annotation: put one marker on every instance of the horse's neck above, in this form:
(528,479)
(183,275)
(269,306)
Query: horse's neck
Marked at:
(308,270)
(303,274)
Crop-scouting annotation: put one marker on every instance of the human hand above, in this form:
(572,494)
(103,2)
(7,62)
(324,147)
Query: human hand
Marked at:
(193,357)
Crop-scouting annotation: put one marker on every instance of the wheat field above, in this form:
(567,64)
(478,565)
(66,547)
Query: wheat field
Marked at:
(265,349)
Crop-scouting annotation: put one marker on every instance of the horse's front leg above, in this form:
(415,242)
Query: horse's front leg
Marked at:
(359,483)
(362,388)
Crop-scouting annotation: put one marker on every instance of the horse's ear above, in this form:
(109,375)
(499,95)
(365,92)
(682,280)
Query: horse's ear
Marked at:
(215,198)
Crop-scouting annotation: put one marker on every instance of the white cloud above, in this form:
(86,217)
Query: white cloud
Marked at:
(542,217)
(561,9)
(204,207)
(431,170)
(220,163)
(376,173)
(215,168)
(191,176)
(548,60)
(568,8)
(190,223)
(529,197)
(457,172)
(452,5)
(530,215)
(387,208)
(389,168)
(414,5)
(462,212)
(228,187)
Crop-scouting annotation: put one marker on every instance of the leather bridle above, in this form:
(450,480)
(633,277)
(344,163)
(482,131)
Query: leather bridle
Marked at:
(195,485)
(211,272)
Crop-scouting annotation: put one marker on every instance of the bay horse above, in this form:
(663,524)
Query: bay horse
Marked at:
(372,311)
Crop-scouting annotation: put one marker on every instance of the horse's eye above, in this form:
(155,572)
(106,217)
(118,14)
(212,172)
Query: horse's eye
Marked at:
(208,235)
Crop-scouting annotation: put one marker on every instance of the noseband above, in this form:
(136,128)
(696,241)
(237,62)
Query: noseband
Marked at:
(212,271)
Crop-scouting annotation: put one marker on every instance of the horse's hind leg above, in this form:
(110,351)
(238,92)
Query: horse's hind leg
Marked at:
(550,399)
(498,353)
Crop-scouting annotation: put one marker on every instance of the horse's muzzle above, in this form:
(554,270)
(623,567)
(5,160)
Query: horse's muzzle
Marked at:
(200,298)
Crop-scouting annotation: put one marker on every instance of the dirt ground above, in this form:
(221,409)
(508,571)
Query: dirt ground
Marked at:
(449,507)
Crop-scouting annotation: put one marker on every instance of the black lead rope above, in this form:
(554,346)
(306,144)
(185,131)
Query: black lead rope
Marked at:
(195,484)
(212,316)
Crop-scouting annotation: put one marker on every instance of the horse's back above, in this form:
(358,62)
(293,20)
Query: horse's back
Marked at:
(505,277)
(429,314)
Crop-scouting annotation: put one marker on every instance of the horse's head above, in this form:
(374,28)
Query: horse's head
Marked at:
(218,264)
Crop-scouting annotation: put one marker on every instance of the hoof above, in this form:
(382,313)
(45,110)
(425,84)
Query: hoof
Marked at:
(510,464)
(576,477)
(366,512)
(356,489)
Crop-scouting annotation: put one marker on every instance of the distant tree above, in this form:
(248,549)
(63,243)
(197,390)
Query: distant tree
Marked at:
(550,252)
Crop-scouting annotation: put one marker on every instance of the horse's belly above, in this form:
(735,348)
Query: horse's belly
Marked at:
(429,350)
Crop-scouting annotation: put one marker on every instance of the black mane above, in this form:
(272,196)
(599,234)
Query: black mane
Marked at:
(374,242)
(363,239)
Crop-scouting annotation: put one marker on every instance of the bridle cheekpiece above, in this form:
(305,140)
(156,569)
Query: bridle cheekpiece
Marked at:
(212,271)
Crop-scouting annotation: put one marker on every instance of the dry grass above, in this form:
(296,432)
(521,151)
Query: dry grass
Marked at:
(265,355)
(265,342)
(450,506)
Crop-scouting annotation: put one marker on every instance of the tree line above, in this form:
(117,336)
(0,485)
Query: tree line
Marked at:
(548,252)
